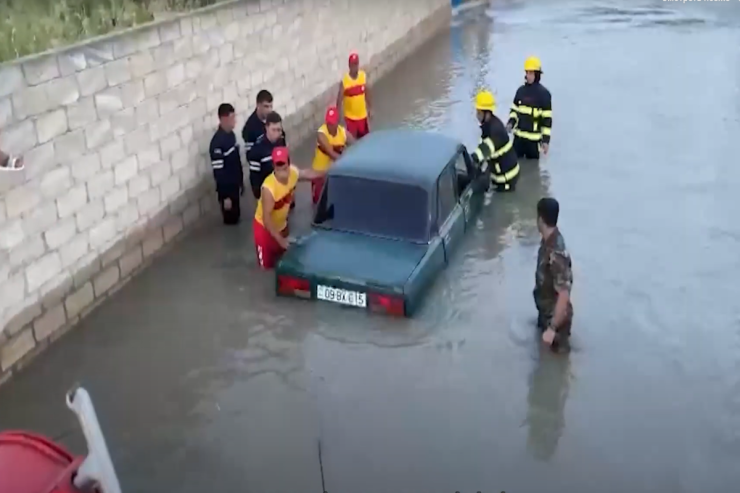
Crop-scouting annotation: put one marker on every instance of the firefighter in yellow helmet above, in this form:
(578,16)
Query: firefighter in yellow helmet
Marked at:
(531,113)
(495,151)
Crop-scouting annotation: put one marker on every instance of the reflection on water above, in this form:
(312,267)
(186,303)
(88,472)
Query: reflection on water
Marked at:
(203,379)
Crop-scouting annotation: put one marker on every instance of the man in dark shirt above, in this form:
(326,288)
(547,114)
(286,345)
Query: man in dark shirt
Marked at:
(255,125)
(260,155)
(227,165)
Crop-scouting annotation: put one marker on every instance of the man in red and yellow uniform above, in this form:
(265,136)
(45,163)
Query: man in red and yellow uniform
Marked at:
(271,218)
(331,140)
(354,97)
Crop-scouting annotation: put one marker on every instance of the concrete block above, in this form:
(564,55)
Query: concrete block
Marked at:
(117,72)
(155,84)
(138,185)
(11,234)
(79,300)
(98,54)
(132,93)
(137,140)
(21,199)
(22,315)
(160,172)
(82,113)
(55,182)
(115,200)
(106,280)
(226,53)
(170,188)
(32,248)
(187,92)
(71,62)
(123,122)
(182,49)
(112,153)
(168,102)
(149,156)
(188,176)
(49,323)
(186,26)
(126,170)
(11,79)
(91,213)
(50,125)
(147,111)
(98,134)
(85,269)
(63,91)
(42,270)
(191,214)
(72,201)
(169,31)
(70,146)
(180,159)
(78,247)
(127,216)
(41,218)
(100,184)
(149,201)
(31,101)
(102,233)
(61,233)
(109,101)
(41,69)
(175,75)
(6,112)
(164,55)
(131,261)
(201,44)
(194,68)
(85,167)
(152,243)
(169,145)
(141,64)
(16,348)
(91,81)
(172,228)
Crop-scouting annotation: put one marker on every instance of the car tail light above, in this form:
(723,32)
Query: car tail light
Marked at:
(391,305)
(294,286)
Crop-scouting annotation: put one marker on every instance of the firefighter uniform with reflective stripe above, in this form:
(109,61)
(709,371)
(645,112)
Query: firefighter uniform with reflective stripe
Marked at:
(531,114)
(228,173)
(497,151)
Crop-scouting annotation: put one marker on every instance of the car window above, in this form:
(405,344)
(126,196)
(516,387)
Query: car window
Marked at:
(461,166)
(374,207)
(446,194)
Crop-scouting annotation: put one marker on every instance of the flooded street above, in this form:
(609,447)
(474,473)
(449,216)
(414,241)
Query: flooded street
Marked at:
(204,381)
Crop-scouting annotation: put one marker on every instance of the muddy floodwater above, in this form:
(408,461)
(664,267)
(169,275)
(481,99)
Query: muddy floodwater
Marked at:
(205,382)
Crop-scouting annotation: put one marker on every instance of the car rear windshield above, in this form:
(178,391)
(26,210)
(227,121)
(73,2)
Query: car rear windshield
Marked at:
(374,207)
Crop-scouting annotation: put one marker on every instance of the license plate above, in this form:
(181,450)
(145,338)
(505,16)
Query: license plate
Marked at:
(341,296)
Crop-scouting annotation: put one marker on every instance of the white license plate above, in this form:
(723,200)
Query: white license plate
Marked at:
(341,296)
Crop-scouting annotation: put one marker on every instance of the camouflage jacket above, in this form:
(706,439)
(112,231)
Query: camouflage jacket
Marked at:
(553,273)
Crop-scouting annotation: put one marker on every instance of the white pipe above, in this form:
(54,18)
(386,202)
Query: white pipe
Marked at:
(97,466)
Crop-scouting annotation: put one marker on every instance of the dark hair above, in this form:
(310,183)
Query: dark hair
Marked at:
(225,109)
(272,118)
(548,209)
(537,76)
(264,96)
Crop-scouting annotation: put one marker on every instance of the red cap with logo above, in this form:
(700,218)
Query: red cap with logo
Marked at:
(332,116)
(354,57)
(280,155)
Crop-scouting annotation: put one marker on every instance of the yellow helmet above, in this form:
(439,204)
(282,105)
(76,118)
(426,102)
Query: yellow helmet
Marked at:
(532,64)
(485,101)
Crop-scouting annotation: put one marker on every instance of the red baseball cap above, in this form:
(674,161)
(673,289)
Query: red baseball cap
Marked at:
(354,57)
(332,115)
(280,155)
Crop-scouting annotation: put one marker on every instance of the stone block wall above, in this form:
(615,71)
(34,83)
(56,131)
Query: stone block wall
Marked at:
(115,136)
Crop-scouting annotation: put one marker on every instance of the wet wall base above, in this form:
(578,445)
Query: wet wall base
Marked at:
(125,174)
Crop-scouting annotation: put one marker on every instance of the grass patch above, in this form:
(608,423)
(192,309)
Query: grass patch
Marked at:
(33,26)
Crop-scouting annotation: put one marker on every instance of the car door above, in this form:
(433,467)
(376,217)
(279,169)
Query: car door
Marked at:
(471,195)
(450,214)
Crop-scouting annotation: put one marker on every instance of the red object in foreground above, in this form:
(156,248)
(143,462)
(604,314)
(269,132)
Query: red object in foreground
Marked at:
(32,464)
(392,305)
(294,286)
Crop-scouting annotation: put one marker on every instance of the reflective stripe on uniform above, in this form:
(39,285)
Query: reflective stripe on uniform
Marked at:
(217,164)
(530,110)
(506,148)
(546,114)
(254,166)
(528,135)
(545,131)
(230,151)
(505,177)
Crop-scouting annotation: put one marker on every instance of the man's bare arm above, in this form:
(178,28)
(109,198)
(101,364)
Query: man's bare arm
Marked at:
(309,174)
(326,147)
(268,204)
(350,138)
(368,96)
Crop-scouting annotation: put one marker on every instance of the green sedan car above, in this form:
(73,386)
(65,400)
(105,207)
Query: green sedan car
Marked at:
(393,209)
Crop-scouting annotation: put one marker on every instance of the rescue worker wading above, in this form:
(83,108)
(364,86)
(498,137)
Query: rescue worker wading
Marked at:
(553,279)
(495,149)
(331,140)
(531,113)
(354,98)
(260,155)
(227,165)
(270,224)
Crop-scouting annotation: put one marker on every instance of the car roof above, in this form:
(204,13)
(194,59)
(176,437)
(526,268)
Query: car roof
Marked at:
(412,157)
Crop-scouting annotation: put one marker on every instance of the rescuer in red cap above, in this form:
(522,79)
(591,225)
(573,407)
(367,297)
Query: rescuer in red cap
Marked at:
(270,224)
(354,98)
(331,140)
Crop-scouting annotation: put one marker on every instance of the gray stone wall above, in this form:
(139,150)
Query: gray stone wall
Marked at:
(115,135)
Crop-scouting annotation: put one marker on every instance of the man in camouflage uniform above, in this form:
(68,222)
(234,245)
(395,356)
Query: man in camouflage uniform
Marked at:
(553,279)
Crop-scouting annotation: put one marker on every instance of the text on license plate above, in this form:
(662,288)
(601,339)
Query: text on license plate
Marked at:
(342,296)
